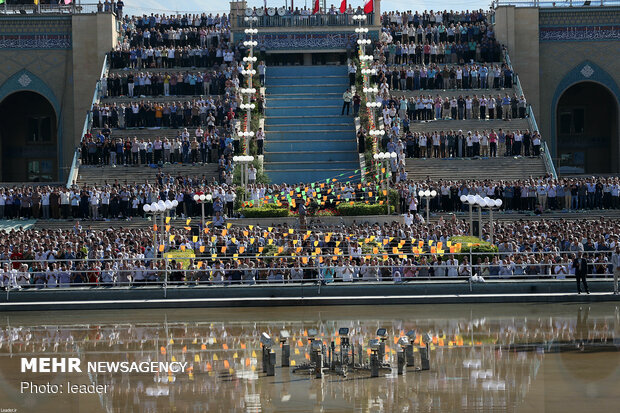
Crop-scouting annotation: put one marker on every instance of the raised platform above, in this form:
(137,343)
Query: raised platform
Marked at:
(444,291)
(502,167)
(94,175)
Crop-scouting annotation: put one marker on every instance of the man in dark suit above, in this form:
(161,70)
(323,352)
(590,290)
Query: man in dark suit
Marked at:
(580,264)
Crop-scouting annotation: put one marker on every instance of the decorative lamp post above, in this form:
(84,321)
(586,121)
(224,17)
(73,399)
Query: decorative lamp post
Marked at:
(249,72)
(160,208)
(471,201)
(490,204)
(428,195)
(384,158)
(244,164)
(202,198)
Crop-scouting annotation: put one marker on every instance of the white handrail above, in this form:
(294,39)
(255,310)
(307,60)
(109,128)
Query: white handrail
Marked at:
(74,164)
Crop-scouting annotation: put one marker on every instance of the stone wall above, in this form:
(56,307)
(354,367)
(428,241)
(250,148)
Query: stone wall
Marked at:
(554,48)
(35,52)
(59,57)
(566,63)
(517,29)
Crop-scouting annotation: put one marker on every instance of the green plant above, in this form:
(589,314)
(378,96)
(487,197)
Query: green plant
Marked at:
(368,247)
(325,213)
(241,195)
(480,248)
(394,197)
(359,208)
(269,250)
(264,212)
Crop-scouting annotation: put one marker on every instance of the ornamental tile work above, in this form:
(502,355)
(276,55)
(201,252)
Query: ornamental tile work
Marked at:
(35,32)
(299,41)
(579,16)
(579,33)
(587,71)
(47,24)
(35,41)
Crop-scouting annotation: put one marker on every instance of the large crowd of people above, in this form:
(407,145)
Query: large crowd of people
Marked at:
(172,41)
(209,113)
(125,199)
(421,76)
(223,80)
(465,106)
(249,254)
(414,52)
(459,144)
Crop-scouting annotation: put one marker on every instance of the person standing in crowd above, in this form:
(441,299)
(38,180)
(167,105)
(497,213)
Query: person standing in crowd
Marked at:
(352,73)
(262,69)
(346,101)
(580,265)
(615,262)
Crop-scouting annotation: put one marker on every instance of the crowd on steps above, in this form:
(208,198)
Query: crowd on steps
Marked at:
(115,199)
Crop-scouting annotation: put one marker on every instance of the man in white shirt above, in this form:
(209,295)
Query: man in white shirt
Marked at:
(348,271)
(408,217)
(94,205)
(452,266)
(45,204)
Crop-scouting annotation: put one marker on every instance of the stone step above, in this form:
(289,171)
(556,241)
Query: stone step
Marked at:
(292,165)
(449,93)
(182,69)
(306,110)
(308,120)
(317,145)
(276,101)
(278,176)
(326,70)
(151,133)
(273,81)
(318,89)
(154,99)
(484,168)
(294,127)
(469,125)
(131,174)
(308,135)
(335,153)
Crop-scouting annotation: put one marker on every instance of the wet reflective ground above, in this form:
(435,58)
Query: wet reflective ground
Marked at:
(531,357)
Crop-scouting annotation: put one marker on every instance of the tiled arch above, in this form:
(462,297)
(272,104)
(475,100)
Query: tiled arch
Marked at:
(26,81)
(586,71)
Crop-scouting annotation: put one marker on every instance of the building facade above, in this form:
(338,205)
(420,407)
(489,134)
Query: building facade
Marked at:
(567,61)
(50,66)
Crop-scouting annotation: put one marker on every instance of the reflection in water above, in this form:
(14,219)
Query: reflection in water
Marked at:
(483,357)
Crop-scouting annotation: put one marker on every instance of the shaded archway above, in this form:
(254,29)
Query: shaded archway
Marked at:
(28,138)
(587,129)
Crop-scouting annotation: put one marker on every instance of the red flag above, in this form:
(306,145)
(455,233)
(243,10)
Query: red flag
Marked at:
(316,7)
(343,6)
(369,6)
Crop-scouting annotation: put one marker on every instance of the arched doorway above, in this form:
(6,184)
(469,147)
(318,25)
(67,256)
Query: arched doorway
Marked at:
(28,138)
(587,130)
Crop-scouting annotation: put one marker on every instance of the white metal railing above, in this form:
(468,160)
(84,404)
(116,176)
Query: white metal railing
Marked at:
(72,176)
(531,118)
(556,4)
(73,8)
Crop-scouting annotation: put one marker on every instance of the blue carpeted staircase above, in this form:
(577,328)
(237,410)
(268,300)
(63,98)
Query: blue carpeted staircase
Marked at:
(306,138)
